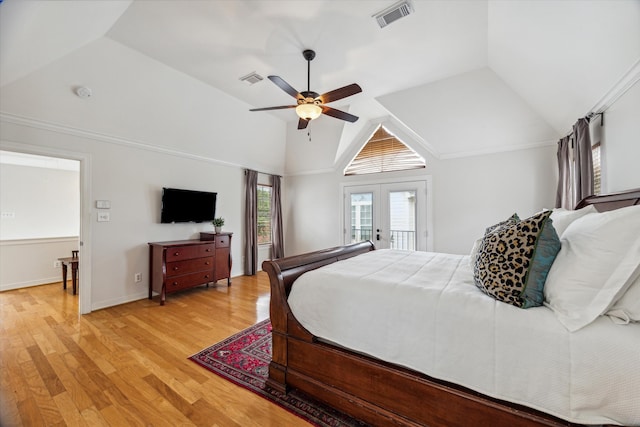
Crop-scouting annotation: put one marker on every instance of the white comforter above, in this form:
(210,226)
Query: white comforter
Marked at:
(422,310)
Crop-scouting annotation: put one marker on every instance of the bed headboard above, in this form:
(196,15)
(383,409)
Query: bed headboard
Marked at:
(609,202)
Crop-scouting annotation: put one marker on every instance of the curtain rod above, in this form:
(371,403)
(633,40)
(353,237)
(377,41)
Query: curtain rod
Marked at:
(589,117)
(263,173)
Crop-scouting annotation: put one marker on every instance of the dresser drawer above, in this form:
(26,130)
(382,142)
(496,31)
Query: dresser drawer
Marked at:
(222,241)
(187,252)
(185,281)
(178,268)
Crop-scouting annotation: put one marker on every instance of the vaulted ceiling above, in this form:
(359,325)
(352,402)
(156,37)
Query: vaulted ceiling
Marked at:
(467,77)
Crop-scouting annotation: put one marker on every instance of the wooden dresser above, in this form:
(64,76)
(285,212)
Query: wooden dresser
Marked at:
(184,264)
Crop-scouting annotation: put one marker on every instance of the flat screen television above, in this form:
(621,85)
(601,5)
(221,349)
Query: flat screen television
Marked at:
(187,206)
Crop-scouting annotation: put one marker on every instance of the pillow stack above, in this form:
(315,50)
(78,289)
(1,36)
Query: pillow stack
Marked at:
(514,258)
(597,270)
(581,264)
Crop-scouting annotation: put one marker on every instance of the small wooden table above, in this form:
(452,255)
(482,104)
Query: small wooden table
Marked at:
(73,261)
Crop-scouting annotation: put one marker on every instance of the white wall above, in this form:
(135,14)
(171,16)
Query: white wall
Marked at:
(30,262)
(472,193)
(46,202)
(621,143)
(46,223)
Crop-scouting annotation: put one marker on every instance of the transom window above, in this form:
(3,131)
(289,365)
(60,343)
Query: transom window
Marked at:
(384,152)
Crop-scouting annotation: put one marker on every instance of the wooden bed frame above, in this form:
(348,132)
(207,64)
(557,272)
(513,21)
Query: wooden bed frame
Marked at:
(371,390)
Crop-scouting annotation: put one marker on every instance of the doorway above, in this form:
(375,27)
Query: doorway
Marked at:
(393,215)
(84,294)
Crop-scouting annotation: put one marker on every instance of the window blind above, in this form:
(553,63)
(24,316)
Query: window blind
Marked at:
(384,152)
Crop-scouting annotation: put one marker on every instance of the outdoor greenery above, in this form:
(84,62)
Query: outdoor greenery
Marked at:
(264,214)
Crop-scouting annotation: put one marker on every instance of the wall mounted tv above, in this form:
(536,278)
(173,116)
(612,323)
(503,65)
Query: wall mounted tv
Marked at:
(187,206)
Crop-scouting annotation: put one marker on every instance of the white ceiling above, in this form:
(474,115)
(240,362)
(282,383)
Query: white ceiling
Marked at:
(467,76)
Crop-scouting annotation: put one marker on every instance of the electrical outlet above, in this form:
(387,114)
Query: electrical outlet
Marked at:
(137,277)
(56,264)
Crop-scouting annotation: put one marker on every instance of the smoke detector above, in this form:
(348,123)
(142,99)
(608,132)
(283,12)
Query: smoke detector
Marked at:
(393,13)
(83,92)
(252,78)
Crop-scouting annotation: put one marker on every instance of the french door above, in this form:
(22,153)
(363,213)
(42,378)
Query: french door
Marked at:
(391,215)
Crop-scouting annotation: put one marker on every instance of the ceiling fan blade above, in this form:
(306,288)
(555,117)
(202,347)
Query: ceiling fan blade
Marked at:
(281,107)
(337,94)
(338,114)
(302,123)
(285,86)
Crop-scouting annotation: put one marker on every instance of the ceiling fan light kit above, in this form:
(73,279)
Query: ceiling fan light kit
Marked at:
(310,105)
(308,111)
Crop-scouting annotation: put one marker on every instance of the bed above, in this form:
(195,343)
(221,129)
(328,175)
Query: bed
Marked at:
(569,371)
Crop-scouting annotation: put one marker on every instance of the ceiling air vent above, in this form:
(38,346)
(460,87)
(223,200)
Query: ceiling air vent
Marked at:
(252,78)
(393,13)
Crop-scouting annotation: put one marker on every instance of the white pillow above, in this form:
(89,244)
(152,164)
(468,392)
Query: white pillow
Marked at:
(473,255)
(597,263)
(562,218)
(627,308)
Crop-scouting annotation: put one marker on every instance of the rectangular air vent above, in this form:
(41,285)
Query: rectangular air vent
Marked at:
(393,13)
(252,78)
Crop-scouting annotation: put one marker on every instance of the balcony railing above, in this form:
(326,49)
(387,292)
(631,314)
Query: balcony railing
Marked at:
(361,234)
(398,239)
(403,239)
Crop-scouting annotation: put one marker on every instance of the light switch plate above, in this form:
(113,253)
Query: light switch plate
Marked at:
(103,217)
(103,204)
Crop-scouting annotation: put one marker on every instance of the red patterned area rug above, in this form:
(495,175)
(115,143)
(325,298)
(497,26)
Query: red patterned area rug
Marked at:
(244,360)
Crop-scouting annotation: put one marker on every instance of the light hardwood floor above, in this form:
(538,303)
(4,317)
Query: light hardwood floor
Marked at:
(127,365)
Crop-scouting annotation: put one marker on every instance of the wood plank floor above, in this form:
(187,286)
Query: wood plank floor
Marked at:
(127,365)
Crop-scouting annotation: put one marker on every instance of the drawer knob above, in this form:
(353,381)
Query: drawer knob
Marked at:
(206,276)
(176,254)
(208,249)
(175,268)
(207,263)
(175,283)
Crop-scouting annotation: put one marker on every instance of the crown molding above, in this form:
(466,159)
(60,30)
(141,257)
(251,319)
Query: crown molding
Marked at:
(626,82)
(499,150)
(101,137)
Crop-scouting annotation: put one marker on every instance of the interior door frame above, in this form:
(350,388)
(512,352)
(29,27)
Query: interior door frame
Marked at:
(84,265)
(382,181)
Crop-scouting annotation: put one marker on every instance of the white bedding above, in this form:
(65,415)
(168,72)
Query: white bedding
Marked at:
(423,311)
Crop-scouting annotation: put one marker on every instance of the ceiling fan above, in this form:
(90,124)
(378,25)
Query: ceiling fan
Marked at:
(310,104)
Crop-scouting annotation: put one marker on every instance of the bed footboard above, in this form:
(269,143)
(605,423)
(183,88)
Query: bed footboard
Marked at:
(282,273)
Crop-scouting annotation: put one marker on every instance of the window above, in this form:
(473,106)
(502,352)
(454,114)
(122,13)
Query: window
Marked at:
(384,152)
(361,217)
(264,214)
(597,178)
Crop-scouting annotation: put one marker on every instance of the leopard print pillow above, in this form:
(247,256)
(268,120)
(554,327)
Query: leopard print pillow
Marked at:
(513,219)
(513,260)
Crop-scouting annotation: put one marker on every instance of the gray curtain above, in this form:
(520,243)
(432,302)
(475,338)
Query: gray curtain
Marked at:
(583,171)
(564,195)
(575,166)
(277,239)
(251,223)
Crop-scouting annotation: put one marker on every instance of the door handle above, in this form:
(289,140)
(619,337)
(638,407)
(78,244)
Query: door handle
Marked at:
(377,234)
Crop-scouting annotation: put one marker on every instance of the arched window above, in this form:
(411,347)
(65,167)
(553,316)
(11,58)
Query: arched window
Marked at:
(384,152)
